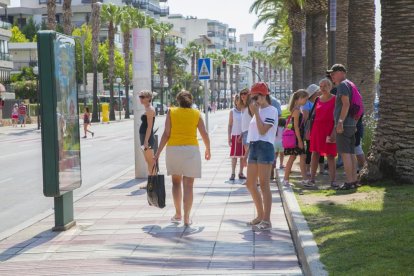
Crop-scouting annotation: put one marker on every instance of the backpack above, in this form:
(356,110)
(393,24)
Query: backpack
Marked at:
(288,136)
(356,107)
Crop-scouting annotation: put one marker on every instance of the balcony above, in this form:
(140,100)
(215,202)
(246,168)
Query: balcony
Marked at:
(165,11)
(5,25)
(6,57)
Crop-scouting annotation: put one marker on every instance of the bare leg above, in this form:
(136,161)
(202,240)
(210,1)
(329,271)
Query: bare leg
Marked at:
(314,164)
(303,167)
(233,165)
(264,176)
(252,174)
(241,166)
(177,195)
(282,157)
(349,166)
(149,158)
(85,128)
(289,165)
(361,160)
(188,197)
(332,168)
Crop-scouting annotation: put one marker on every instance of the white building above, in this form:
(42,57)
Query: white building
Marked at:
(6,63)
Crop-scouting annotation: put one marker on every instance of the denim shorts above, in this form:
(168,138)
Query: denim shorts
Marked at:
(261,152)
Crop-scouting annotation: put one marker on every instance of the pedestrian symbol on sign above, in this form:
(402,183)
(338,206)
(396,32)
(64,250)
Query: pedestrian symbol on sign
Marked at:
(204,68)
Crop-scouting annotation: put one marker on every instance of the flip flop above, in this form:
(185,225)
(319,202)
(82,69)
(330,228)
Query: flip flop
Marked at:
(175,220)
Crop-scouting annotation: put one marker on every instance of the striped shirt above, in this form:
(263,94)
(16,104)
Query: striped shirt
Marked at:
(268,115)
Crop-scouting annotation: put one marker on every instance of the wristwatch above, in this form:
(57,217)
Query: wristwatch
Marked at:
(340,121)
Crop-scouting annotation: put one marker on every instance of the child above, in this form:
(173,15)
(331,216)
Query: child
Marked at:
(298,99)
(234,138)
(278,147)
(87,122)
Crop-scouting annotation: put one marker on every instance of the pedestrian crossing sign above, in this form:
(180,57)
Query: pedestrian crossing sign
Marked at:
(204,68)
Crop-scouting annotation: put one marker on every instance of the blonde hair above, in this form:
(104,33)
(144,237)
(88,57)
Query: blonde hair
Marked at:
(242,104)
(236,99)
(147,94)
(300,94)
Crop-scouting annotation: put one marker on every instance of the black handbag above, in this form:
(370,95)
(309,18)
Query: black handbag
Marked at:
(156,189)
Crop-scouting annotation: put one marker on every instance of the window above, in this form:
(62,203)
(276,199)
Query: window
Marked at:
(250,44)
(182,30)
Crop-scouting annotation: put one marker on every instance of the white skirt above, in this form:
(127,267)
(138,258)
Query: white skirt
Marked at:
(183,160)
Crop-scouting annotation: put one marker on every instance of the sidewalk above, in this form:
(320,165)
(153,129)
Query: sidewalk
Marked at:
(118,233)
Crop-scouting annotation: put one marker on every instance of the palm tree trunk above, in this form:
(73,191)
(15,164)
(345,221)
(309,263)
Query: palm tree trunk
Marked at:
(237,69)
(67,17)
(231,85)
(51,15)
(319,46)
(127,39)
(297,76)
(307,75)
(218,90)
(225,86)
(254,70)
(111,37)
(153,41)
(391,154)
(361,49)
(96,25)
(342,32)
(161,72)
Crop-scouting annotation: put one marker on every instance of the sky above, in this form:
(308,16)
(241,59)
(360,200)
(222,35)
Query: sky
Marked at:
(235,13)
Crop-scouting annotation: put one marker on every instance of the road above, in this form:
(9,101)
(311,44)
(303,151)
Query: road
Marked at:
(21,186)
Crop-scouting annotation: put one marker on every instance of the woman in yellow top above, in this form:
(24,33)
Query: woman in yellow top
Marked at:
(183,158)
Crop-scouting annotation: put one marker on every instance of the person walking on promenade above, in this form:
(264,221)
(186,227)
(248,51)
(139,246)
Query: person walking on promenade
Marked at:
(345,125)
(146,130)
(183,157)
(261,136)
(297,100)
(246,118)
(278,145)
(234,138)
(22,114)
(322,138)
(87,122)
(15,115)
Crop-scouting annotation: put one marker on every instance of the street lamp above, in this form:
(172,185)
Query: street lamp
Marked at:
(118,81)
(36,72)
(82,42)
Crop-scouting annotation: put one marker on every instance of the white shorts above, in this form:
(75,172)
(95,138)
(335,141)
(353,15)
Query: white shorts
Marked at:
(358,150)
(183,160)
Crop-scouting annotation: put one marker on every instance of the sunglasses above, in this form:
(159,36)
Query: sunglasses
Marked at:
(243,94)
(142,97)
(254,98)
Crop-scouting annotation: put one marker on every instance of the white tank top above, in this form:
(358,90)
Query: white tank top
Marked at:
(237,122)
(246,118)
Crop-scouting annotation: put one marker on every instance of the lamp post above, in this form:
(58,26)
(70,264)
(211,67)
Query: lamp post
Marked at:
(118,81)
(82,42)
(36,72)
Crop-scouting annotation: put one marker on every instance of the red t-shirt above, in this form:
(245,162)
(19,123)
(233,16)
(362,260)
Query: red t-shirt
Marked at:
(22,110)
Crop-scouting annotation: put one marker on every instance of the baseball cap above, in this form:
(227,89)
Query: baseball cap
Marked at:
(337,68)
(312,89)
(260,88)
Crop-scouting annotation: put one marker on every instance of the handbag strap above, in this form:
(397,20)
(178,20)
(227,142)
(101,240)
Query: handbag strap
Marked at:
(313,108)
(288,121)
(155,168)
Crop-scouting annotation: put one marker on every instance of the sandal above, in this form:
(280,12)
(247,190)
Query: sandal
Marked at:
(263,226)
(174,219)
(254,222)
(186,224)
(232,177)
(241,176)
(309,183)
(347,186)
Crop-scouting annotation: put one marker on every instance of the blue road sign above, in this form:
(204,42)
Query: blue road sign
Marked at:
(204,68)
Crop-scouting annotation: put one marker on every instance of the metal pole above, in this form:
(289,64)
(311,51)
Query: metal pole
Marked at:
(206,103)
(83,69)
(37,104)
(119,96)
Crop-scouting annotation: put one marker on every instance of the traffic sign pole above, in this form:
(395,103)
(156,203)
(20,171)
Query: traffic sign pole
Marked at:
(204,73)
(206,104)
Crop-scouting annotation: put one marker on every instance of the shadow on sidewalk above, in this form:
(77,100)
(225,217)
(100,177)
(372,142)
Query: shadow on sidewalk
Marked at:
(129,184)
(29,244)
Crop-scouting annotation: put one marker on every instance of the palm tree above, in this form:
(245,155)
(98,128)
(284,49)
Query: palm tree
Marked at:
(236,59)
(152,24)
(51,14)
(216,75)
(316,35)
(341,45)
(173,62)
(96,26)
(130,18)
(361,49)
(165,28)
(391,152)
(111,15)
(190,52)
(225,55)
(253,58)
(67,16)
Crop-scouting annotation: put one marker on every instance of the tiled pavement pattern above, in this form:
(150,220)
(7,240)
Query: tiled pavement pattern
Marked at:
(117,233)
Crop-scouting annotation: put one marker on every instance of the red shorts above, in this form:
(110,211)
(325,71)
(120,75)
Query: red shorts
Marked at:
(237,149)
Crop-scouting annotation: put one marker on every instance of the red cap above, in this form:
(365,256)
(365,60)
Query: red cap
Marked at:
(260,88)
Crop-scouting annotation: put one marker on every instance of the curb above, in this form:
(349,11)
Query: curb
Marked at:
(45,214)
(306,247)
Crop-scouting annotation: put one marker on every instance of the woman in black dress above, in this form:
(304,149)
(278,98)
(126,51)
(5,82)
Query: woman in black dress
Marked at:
(146,131)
